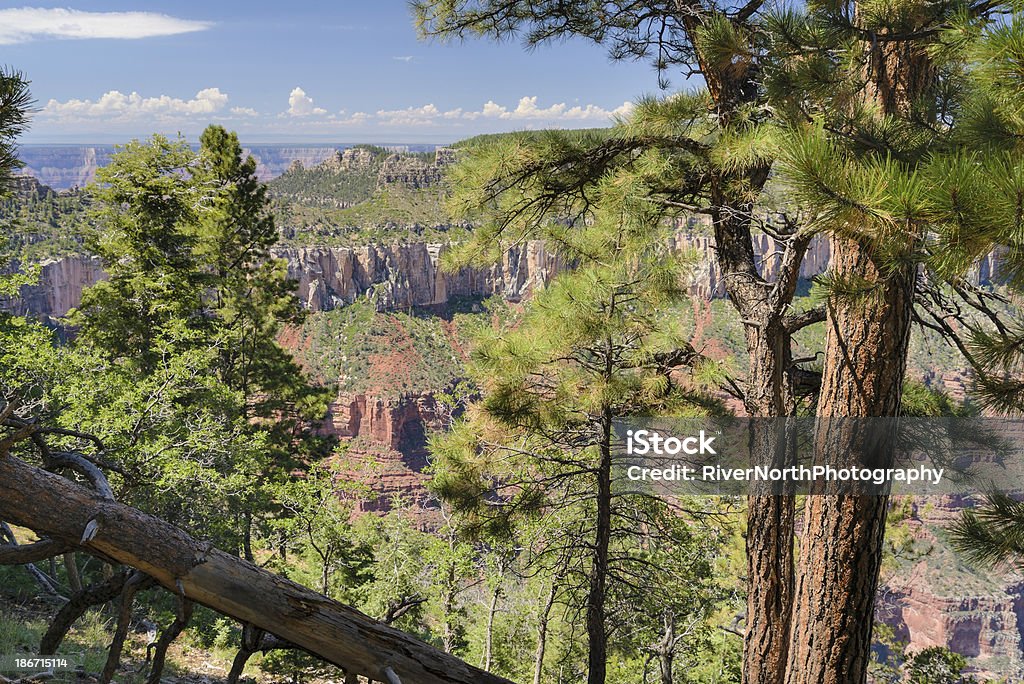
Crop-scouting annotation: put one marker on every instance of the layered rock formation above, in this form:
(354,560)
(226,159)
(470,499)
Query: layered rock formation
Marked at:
(61,283)
(409,172)
(400,276)
(386,437)
(937,601)
(708,280)
(64,166)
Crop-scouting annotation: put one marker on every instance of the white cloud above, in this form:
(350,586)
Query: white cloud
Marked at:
(244,111)
(116,105)
(526,110)
(356,119)
(410,116)
(300,104)
(406,59)
(31,23)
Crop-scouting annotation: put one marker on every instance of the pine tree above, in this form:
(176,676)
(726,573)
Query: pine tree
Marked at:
(989,167)
(876,96)
(591,347)
(182,370)
(715,153)
(28,360)
(15,105)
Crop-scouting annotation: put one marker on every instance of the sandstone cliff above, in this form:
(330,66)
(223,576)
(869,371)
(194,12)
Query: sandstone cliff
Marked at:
(936,600)
(60,286)
(400,276)
(386,439)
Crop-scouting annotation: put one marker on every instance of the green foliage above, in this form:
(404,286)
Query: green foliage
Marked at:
(15,105)
(938,665)
(391,354)
(176,365)
(330,184)
(530,463)
(317,516)
(351,202)
(992,533)
(44,224)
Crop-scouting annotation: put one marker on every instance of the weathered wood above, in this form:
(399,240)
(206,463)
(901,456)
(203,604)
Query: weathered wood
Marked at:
(60,509)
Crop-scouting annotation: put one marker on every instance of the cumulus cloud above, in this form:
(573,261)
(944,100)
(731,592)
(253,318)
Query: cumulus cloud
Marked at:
(244,111)
(526,110)
(410,116)
(116,105)
(300,104)
(33,23)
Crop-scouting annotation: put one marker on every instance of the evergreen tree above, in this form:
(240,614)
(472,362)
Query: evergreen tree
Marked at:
(182,373)
(15,106)
(713,154)
(590,348)
(877,98)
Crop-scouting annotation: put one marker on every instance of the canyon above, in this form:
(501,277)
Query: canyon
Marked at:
(385,431)
(401,275)
(66,166)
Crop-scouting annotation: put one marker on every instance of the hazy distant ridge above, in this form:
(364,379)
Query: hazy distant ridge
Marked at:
(66,166)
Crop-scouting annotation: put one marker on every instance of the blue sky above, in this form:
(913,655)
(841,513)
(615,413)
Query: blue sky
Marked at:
(341,71)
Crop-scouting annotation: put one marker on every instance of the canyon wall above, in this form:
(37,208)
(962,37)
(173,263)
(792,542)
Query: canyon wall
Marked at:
(402,275)
(937,600)
(66,166)
(385,434)
(60,286)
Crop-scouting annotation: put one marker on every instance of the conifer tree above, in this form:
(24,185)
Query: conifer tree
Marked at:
(15,105)
(590,348)
(715,154)
(872,95)
(877,99)
(196,392)
(990,141)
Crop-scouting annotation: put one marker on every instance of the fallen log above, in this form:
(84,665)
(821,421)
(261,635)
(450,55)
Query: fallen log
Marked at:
(61,510)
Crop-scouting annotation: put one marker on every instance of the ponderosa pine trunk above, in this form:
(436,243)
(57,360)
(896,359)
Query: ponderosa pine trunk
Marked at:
(864,368)
(597,636)
(733,86)
(841,547)
(770,516)
(768,394)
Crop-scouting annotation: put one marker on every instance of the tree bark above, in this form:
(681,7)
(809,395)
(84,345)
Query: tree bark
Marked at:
(132,586)
(667,650)
(492,610)
(768,393)
(542,636)
(865,364)
(597,637)
(841,550)
(770,516)
(94,595)
(173,631)
(60,509)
